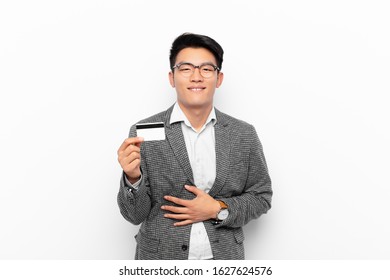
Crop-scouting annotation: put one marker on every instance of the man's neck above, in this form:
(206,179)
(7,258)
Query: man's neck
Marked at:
(197,116)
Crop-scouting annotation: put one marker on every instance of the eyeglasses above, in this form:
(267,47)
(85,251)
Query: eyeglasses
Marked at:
(186,69)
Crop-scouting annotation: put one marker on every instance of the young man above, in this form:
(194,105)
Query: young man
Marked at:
(195,190)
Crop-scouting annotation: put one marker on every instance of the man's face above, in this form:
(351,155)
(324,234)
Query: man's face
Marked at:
(195,91)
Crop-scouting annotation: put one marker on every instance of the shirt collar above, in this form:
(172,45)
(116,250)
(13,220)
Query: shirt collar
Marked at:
(179,116)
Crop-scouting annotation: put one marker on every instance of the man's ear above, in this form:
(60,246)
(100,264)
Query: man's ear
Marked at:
(219,79)
(171,79)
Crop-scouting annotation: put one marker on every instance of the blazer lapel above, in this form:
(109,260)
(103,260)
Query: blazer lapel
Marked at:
(222,150)
(176,140)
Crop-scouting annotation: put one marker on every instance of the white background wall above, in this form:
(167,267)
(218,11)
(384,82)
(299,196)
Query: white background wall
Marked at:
(312,76)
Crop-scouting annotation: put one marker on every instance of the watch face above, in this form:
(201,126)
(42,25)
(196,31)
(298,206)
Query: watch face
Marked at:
(222,215)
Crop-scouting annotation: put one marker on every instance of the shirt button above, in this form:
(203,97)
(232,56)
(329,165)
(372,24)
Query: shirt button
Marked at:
(184,247)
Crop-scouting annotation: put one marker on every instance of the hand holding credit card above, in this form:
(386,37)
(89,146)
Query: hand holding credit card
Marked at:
(151,131)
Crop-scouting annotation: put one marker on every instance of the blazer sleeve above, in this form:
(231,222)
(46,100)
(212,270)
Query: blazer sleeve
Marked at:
(134,204)
(255,199)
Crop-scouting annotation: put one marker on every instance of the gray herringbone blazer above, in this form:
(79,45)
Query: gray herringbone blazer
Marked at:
(242,182)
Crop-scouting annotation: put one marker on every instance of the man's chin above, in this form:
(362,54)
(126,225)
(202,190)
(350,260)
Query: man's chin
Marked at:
(197,105)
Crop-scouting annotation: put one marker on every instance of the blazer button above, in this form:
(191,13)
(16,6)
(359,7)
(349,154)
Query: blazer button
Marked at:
(184,247)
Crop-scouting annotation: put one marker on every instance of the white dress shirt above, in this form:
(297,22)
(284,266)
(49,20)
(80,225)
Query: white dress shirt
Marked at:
(201,153)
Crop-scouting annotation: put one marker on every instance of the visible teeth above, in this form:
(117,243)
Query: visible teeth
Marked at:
(196,89)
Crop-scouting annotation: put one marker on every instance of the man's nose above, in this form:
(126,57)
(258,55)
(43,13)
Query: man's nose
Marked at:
(196,76)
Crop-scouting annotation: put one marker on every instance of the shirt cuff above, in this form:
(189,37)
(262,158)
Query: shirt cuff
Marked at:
(135,185)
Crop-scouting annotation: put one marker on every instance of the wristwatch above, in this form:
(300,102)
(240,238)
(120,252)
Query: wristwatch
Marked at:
(223,211)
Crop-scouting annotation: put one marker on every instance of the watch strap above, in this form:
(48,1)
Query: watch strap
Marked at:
(222,204)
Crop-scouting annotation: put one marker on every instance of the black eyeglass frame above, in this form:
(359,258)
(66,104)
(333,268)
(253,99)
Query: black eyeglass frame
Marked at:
(216,68)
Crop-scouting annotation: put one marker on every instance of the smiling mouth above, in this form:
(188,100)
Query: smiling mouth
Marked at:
(196,89)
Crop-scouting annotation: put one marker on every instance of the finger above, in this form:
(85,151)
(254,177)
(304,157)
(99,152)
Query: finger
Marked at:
(131,151)
(174,209)
(131,156)
(131,163)
(176,200)
(132,166)
(130,141)
(193,189)
(183,223)
(177,216)
(126,160)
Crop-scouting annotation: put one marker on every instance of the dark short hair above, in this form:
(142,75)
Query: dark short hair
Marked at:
(190,40)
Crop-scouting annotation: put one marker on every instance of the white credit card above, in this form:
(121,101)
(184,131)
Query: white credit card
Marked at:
(151,131)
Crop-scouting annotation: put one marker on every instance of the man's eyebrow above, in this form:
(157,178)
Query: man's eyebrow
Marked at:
(207,62)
